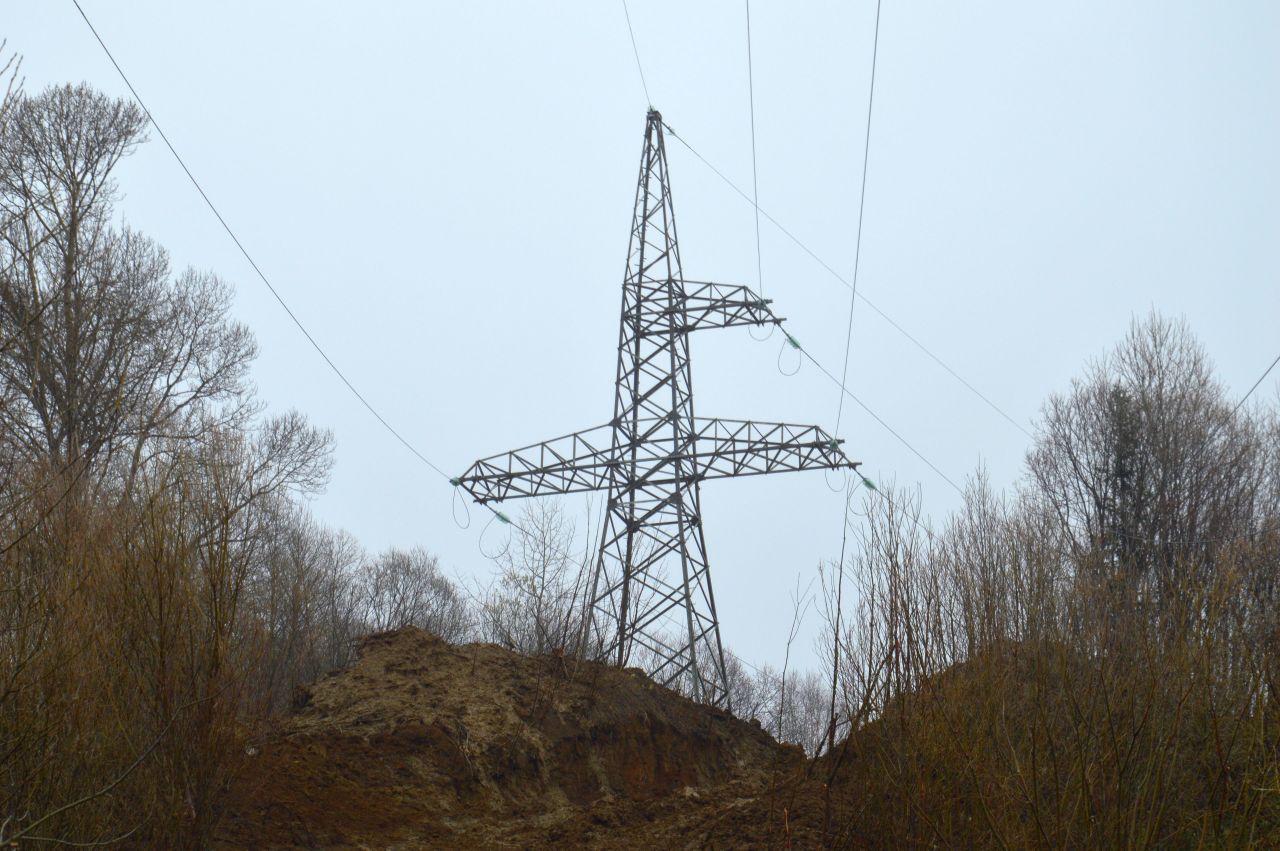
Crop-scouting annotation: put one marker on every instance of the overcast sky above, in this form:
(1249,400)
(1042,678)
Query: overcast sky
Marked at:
(442,192)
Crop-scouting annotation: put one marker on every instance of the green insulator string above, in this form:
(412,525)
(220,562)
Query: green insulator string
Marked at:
(795,344)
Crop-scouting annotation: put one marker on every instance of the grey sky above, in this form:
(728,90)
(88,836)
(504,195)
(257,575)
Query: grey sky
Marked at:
(442,192)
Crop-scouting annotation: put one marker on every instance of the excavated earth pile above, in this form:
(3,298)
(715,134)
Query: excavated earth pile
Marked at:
(421,744)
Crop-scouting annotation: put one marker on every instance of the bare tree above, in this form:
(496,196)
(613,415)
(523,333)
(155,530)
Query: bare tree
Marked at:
(303,592)
(145,620)
(406,588)
(9,67)
(1089,661)
(748,695)
(1147,464)
(109,353)
(536,604)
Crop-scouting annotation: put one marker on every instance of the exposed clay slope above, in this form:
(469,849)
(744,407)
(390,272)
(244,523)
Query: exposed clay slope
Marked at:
(422,744)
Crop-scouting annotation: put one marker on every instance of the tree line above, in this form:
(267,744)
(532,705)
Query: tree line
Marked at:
(1088,661)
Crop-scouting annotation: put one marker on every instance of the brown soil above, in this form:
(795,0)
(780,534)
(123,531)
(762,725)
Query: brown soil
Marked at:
(421,744)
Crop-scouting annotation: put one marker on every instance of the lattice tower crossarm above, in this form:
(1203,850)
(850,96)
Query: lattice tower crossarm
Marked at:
(651,599)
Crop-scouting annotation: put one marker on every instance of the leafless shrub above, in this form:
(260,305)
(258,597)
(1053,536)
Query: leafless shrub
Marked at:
(133,671)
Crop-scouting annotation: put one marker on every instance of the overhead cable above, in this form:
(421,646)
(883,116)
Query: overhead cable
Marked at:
(256,268)
(1261,378)
(755,176)
(636,51)
(862,203)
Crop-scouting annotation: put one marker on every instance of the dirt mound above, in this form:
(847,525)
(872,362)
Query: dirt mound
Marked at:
(425,745)
(422,744)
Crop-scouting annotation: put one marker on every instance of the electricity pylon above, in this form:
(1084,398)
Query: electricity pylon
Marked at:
(651,587)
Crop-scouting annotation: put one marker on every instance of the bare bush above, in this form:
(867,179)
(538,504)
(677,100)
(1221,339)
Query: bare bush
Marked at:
(132,673)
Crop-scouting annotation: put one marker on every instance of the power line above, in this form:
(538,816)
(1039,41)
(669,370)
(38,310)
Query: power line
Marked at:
(853,287)
(806,249)
(754,200)
(1261,378)
(862,202)
(312,340)
(847,392)
(755,179)
(636,51)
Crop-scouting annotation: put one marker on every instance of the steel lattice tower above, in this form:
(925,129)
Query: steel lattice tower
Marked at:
(651,589)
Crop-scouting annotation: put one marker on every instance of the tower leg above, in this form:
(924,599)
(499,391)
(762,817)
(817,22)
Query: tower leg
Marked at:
(665,623)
